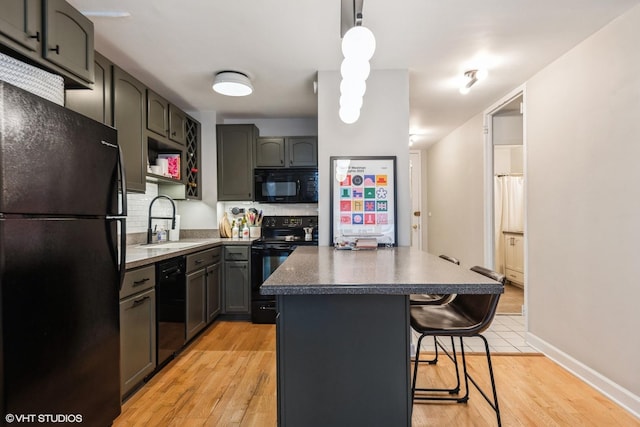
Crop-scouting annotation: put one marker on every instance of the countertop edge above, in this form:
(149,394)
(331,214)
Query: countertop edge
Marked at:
(144,256)
(378,289)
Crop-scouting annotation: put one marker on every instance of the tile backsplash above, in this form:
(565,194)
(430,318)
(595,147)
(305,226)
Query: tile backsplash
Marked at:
(138,210)
(268,208)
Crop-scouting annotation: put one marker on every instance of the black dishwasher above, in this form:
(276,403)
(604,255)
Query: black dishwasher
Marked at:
(170,307)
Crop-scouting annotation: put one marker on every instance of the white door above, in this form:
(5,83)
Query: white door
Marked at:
(415,166)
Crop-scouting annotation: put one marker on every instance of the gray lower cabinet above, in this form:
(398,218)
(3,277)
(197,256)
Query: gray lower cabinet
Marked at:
(203,289)
(214,291)
(235,147)
(137,327)
(196,310)
(129,117)
(237,281)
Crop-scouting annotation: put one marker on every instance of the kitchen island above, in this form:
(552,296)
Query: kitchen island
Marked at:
(343,336)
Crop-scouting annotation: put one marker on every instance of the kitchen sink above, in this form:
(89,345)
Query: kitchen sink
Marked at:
(169,245)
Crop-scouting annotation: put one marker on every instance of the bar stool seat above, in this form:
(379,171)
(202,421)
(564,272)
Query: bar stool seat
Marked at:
(467,315)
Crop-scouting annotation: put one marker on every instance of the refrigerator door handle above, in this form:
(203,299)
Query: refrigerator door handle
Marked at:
(122,264)
(123,184)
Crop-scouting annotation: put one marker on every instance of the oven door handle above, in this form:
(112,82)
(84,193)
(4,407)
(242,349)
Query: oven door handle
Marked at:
(279,248)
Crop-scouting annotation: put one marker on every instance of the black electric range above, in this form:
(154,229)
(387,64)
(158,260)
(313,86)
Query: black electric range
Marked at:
(280,236)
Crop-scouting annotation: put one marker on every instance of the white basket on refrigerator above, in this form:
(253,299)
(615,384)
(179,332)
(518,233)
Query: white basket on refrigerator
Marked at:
(39,82)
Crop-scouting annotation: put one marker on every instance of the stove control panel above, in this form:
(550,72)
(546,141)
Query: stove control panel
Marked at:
(290,221)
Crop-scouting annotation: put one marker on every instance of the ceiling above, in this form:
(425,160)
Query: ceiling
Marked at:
(176,47)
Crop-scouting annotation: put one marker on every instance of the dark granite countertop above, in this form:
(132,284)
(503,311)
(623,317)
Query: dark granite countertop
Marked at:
(324,270)
(141,255)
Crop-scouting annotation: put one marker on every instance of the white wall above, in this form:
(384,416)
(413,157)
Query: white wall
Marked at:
(196,214)
(456,194)
(583,154)
(382,130)
(296,126)
(583,207)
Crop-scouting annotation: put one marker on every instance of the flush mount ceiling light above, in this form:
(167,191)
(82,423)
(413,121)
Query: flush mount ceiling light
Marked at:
(232,83)
(471,77)
(358,46)
(105,13)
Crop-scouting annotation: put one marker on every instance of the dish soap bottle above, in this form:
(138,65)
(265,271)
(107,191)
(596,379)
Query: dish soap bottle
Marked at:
(234,230)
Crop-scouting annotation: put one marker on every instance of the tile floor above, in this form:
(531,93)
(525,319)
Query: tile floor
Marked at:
(505,335)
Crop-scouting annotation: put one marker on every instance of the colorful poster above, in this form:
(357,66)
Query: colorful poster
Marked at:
(363,199)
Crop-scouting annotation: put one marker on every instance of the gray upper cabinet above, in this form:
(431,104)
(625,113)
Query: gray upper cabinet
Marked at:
(50,34)
(129,117)
(95,102)
(291,151)
(235,145)
(270,152)
(165,120)
(302,151)
(68,38)
(157,114)
(20,23)
(177,125)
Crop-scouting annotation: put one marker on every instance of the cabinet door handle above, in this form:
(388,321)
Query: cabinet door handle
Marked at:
(198,261)
(37,36)
(141,281)
(139,302)
(55,49)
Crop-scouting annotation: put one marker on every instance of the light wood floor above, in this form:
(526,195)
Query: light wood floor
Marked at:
(511,300)
(227,377)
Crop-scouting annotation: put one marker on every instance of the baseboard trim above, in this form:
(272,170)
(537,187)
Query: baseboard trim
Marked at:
(604,385)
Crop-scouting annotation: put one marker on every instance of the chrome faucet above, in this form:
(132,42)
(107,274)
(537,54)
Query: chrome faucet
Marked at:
(172,217)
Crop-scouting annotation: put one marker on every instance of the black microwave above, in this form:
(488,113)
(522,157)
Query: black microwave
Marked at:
(299,185)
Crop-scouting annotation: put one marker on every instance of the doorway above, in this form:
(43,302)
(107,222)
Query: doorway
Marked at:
(505,182)
(415,184)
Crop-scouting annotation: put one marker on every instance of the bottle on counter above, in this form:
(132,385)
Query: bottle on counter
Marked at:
(234,230)
(245,229)
(162,235)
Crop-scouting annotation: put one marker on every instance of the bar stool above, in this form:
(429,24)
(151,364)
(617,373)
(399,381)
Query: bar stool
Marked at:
(435,299)
(467,315)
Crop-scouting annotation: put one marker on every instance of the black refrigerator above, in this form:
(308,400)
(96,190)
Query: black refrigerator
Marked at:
(62,259)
